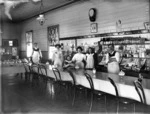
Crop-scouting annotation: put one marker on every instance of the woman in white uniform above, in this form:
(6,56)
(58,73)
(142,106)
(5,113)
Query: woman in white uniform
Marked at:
(79,58)
(90,59)
(58,56)
(36,54)
(112,59)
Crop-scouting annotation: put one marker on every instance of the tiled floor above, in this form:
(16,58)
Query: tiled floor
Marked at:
(20,96)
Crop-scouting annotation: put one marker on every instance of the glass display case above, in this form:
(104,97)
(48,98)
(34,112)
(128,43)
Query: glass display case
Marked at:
(134,50)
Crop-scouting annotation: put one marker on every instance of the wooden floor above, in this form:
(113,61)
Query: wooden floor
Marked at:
(21,96)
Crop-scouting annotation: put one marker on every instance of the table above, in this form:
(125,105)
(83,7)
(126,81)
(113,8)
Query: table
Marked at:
(12,69)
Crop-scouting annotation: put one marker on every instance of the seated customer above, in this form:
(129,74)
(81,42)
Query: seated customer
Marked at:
(79,58)
(68,63)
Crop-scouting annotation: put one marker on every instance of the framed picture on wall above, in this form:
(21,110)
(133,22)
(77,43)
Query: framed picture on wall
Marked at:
(147,25)
(94,27)
(29,36)
(53,35)
(14,51)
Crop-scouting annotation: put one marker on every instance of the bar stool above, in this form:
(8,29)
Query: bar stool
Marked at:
(139,88)
(119,99)
(77,88)
(140,91)
(61,83)
(43,73)
(94,92)
(35,73)
(27,71)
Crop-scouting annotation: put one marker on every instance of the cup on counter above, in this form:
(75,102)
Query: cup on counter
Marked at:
(121,74)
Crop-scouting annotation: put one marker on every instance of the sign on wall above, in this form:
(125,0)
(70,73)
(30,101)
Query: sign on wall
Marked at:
(53,35)
(94,27)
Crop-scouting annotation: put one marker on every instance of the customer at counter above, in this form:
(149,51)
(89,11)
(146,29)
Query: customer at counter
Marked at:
(112,60)
(68,62)
(79,58)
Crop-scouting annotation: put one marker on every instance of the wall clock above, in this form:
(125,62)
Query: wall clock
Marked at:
(92,14)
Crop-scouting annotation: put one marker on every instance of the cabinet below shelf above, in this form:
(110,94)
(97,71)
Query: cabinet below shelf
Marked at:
(136,57)
(128,44)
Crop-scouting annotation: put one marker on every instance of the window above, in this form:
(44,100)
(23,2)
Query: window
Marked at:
(29,45)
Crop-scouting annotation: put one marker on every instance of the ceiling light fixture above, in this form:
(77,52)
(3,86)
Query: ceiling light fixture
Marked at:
(41,17)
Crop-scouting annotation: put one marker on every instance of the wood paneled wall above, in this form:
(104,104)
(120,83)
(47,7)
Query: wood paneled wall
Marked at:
(73,20)
(11,31)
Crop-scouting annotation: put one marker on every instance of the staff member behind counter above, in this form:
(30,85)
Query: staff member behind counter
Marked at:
(112,59)
(79,58)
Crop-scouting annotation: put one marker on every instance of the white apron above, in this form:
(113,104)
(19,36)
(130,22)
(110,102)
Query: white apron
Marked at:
(113,65)
(36,56)
(89,61)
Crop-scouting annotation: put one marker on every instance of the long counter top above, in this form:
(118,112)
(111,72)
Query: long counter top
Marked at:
(124,83)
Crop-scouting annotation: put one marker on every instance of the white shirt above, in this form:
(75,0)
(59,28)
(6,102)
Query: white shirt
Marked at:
(117,56)
(78,57)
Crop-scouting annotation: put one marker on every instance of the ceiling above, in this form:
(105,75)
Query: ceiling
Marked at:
(28,10)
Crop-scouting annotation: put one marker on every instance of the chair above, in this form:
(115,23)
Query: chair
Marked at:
(94,92)
(34,72)
(140,91)
(59,81)
(27,71)
(35,69)
(42,70)
(76,87)
(119,99)
(43,73)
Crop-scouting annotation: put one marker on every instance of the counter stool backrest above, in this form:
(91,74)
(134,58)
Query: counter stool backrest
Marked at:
(26,67)
(114,85)
(90,80)
(57,74)
(35,68)
(143,66)
(43,70)
(140,91)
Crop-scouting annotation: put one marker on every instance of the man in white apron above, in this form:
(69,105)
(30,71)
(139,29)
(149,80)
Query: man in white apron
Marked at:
(36,54)
(112,59)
